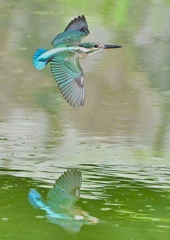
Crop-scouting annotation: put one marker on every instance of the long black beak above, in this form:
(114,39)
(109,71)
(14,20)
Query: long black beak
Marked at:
(107,46)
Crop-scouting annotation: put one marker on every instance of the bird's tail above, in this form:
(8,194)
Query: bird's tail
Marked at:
(39,64)
(35,199)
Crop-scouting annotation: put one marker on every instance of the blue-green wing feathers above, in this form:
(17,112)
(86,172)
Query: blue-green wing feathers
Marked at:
(69,75)
(66,190)
(76,30)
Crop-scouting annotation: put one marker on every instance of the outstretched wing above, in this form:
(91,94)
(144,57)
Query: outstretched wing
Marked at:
(69,75)
(66,190)
(78,24)
(76,30)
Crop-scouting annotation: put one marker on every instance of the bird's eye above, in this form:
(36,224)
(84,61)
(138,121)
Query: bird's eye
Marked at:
(96,46)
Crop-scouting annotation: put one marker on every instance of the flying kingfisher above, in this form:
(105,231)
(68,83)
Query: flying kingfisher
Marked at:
(64,59)
(60,200)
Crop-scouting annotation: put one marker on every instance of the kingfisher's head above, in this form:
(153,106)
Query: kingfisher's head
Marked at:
(92,47)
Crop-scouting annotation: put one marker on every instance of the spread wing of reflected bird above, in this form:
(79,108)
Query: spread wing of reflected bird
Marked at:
(60,200)
(66,190)
(64,59)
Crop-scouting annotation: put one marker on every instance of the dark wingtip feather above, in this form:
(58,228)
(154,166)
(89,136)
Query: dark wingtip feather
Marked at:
(78,24)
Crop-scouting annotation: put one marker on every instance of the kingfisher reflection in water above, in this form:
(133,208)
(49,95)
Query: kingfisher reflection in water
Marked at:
(60,202)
